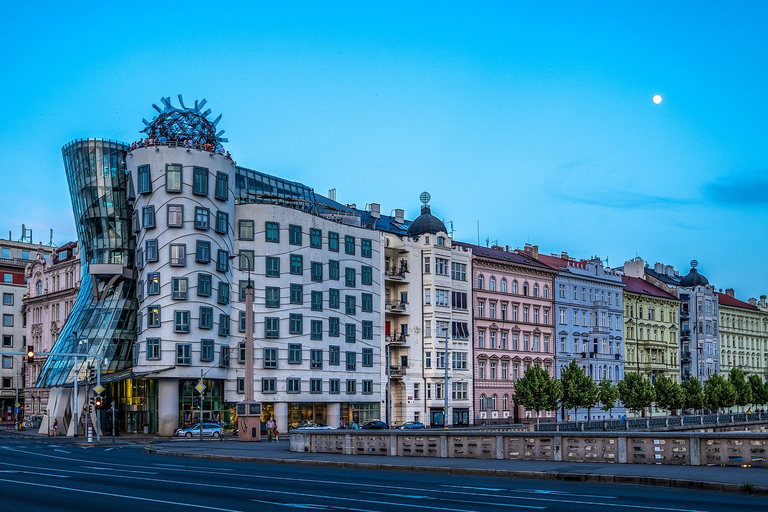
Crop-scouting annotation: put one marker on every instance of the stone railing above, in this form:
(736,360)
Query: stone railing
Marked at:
(691,422)
(692,449)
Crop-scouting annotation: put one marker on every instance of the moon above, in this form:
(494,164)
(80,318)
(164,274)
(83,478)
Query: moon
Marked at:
(657,99)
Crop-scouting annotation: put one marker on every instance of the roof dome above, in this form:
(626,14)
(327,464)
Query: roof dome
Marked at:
(426,223)
(693,279)
(185,123)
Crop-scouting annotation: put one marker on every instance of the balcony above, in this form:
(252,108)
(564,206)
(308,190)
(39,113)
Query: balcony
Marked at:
(396,339)
(397,372)
(685,357)
(617,356)
(684,313)
(598,329)
(685,333)
(395,306)
(396,275)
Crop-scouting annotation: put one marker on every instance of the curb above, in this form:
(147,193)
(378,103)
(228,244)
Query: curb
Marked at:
(531,475)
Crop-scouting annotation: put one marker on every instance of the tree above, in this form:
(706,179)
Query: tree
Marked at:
(742,387)
(669,394)
(579,390)
(694,394)
(636,391)
(759,390)
(607,394)
(719,393)
(537,391)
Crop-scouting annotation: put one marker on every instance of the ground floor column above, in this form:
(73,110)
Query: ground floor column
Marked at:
(333,413)
(167,406)
(281,417)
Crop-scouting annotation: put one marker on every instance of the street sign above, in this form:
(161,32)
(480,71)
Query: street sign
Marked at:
(99,389)
(17,410)
(17,404)
(200,387)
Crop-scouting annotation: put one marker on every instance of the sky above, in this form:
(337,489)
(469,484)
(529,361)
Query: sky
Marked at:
(527,122)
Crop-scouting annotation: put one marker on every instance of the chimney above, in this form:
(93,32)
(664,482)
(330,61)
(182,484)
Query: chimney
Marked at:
(353,206)
(752,301)
(375,210)
(332,194)
(729,292)
(564,255)
(659,268)
(399,215)
(762,300)
(506,248)
(634,267)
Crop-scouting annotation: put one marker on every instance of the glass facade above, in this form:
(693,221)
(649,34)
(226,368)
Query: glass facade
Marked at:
(256,187)
(103,319)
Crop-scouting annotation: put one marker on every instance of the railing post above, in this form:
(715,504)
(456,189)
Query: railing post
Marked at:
(694,448)
(500,447)
(621,448)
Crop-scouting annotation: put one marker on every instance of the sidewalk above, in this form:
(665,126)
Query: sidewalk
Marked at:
(713,478)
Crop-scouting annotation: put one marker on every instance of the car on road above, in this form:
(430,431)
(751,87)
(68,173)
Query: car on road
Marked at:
(412,425)
(209,430)
(374,425)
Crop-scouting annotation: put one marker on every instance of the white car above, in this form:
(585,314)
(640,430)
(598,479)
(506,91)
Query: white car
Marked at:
(209,430)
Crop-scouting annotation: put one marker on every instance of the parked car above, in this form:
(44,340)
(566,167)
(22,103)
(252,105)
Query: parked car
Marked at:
(209,430)
(412,425)
(374,425)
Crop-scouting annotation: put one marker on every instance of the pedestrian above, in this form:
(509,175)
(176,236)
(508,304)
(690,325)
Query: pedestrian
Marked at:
(277,433)
(55,426)
(271,429)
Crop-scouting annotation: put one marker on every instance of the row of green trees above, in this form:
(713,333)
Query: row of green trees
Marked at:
(537,391)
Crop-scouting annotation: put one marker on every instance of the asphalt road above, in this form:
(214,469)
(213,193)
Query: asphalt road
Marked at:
(42,476)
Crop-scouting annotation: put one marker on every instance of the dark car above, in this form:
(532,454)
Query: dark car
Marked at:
(412,424)
(374,425)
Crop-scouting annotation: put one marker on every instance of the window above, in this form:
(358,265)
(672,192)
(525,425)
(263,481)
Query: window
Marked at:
(178,255)
(315,238)
(223,325)
(268,385)
(349,244)
(202,251)
(366,303)
(153,348)
(179,285)
(270,358)
(148,217)
(272,232)
(294,353)
(441,266)
(293,385)
(153,283)
(200,181)
(426,264)
(366,275)
(459,300)
(350,305)
(222,186)
(224,357)
(441,297)
(333,298)
(223,293)
(297,264)
(150,250)
(316,359)
(349,332)
(271,327)
(458,271)
(334,355)
(427,296)
(333,270)
(367,330)
(272,297)
(460,390)
(503,285)
(351,361)
(351,386)
(145,180)
(459,360)
(183,353)
(294,234)
(175,216)
(204,285)
(222,261)
(366,250)
(273,267)
(492,283)
(349,277)
(297,294)
(245,229)
(334,386)
(333,327)
(173,178)
(222,222)
(367,387)
(153,316)
(7,340)
(315,385)
(296,324)
(206,317)
(333,241)
(317,272)
(316,330)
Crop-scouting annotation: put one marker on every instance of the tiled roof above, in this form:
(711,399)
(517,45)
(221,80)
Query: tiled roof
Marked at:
(505,256)
(664,278)
(643,287)
(559,263)
(727,300)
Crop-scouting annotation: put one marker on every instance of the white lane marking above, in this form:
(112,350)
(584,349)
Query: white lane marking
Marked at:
(409,496)
(564,493)
(489,489)
(316,507)
(113,495)
(109,449)
(120,470)
(31,473)
(340,498)
(57,450)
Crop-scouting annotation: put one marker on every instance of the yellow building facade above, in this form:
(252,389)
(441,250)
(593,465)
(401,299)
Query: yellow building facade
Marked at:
(743,335)
(651,335)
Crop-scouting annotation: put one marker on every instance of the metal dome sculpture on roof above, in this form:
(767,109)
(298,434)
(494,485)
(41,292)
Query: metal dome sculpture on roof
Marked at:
(693,279)
(184,123)
(426,222)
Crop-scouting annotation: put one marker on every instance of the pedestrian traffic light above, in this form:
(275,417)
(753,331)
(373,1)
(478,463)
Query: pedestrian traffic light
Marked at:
(30,353)
(90,409)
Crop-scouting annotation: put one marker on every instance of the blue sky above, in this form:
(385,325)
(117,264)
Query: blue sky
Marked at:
(534,118)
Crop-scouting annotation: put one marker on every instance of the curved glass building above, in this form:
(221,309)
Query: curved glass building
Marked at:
(103,319)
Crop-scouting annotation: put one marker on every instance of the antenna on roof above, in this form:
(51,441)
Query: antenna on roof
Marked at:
(50,241)
(26,234)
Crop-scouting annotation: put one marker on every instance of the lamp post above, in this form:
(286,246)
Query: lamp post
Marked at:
(248,408)
(445,395)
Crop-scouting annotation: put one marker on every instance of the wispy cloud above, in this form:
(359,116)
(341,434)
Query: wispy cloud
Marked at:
(730,191)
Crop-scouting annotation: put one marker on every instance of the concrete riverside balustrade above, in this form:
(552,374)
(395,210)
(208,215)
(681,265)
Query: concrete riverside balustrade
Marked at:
(681,448)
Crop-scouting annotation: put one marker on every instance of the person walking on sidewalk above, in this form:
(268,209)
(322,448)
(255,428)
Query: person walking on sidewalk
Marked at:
(271,426)
(55,426)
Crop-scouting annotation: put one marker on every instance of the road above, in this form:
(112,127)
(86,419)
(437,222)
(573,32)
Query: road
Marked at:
(45,476)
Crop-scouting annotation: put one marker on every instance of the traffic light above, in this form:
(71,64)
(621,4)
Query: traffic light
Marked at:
(199,401)
(91,373)
(97,402)
(30,353)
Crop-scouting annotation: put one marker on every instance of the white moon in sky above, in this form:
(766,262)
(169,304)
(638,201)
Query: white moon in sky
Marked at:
(657,99)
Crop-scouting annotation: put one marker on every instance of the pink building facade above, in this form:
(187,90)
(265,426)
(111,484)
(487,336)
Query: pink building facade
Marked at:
(513,309)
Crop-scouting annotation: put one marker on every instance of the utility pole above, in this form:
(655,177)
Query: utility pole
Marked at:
(445,407)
